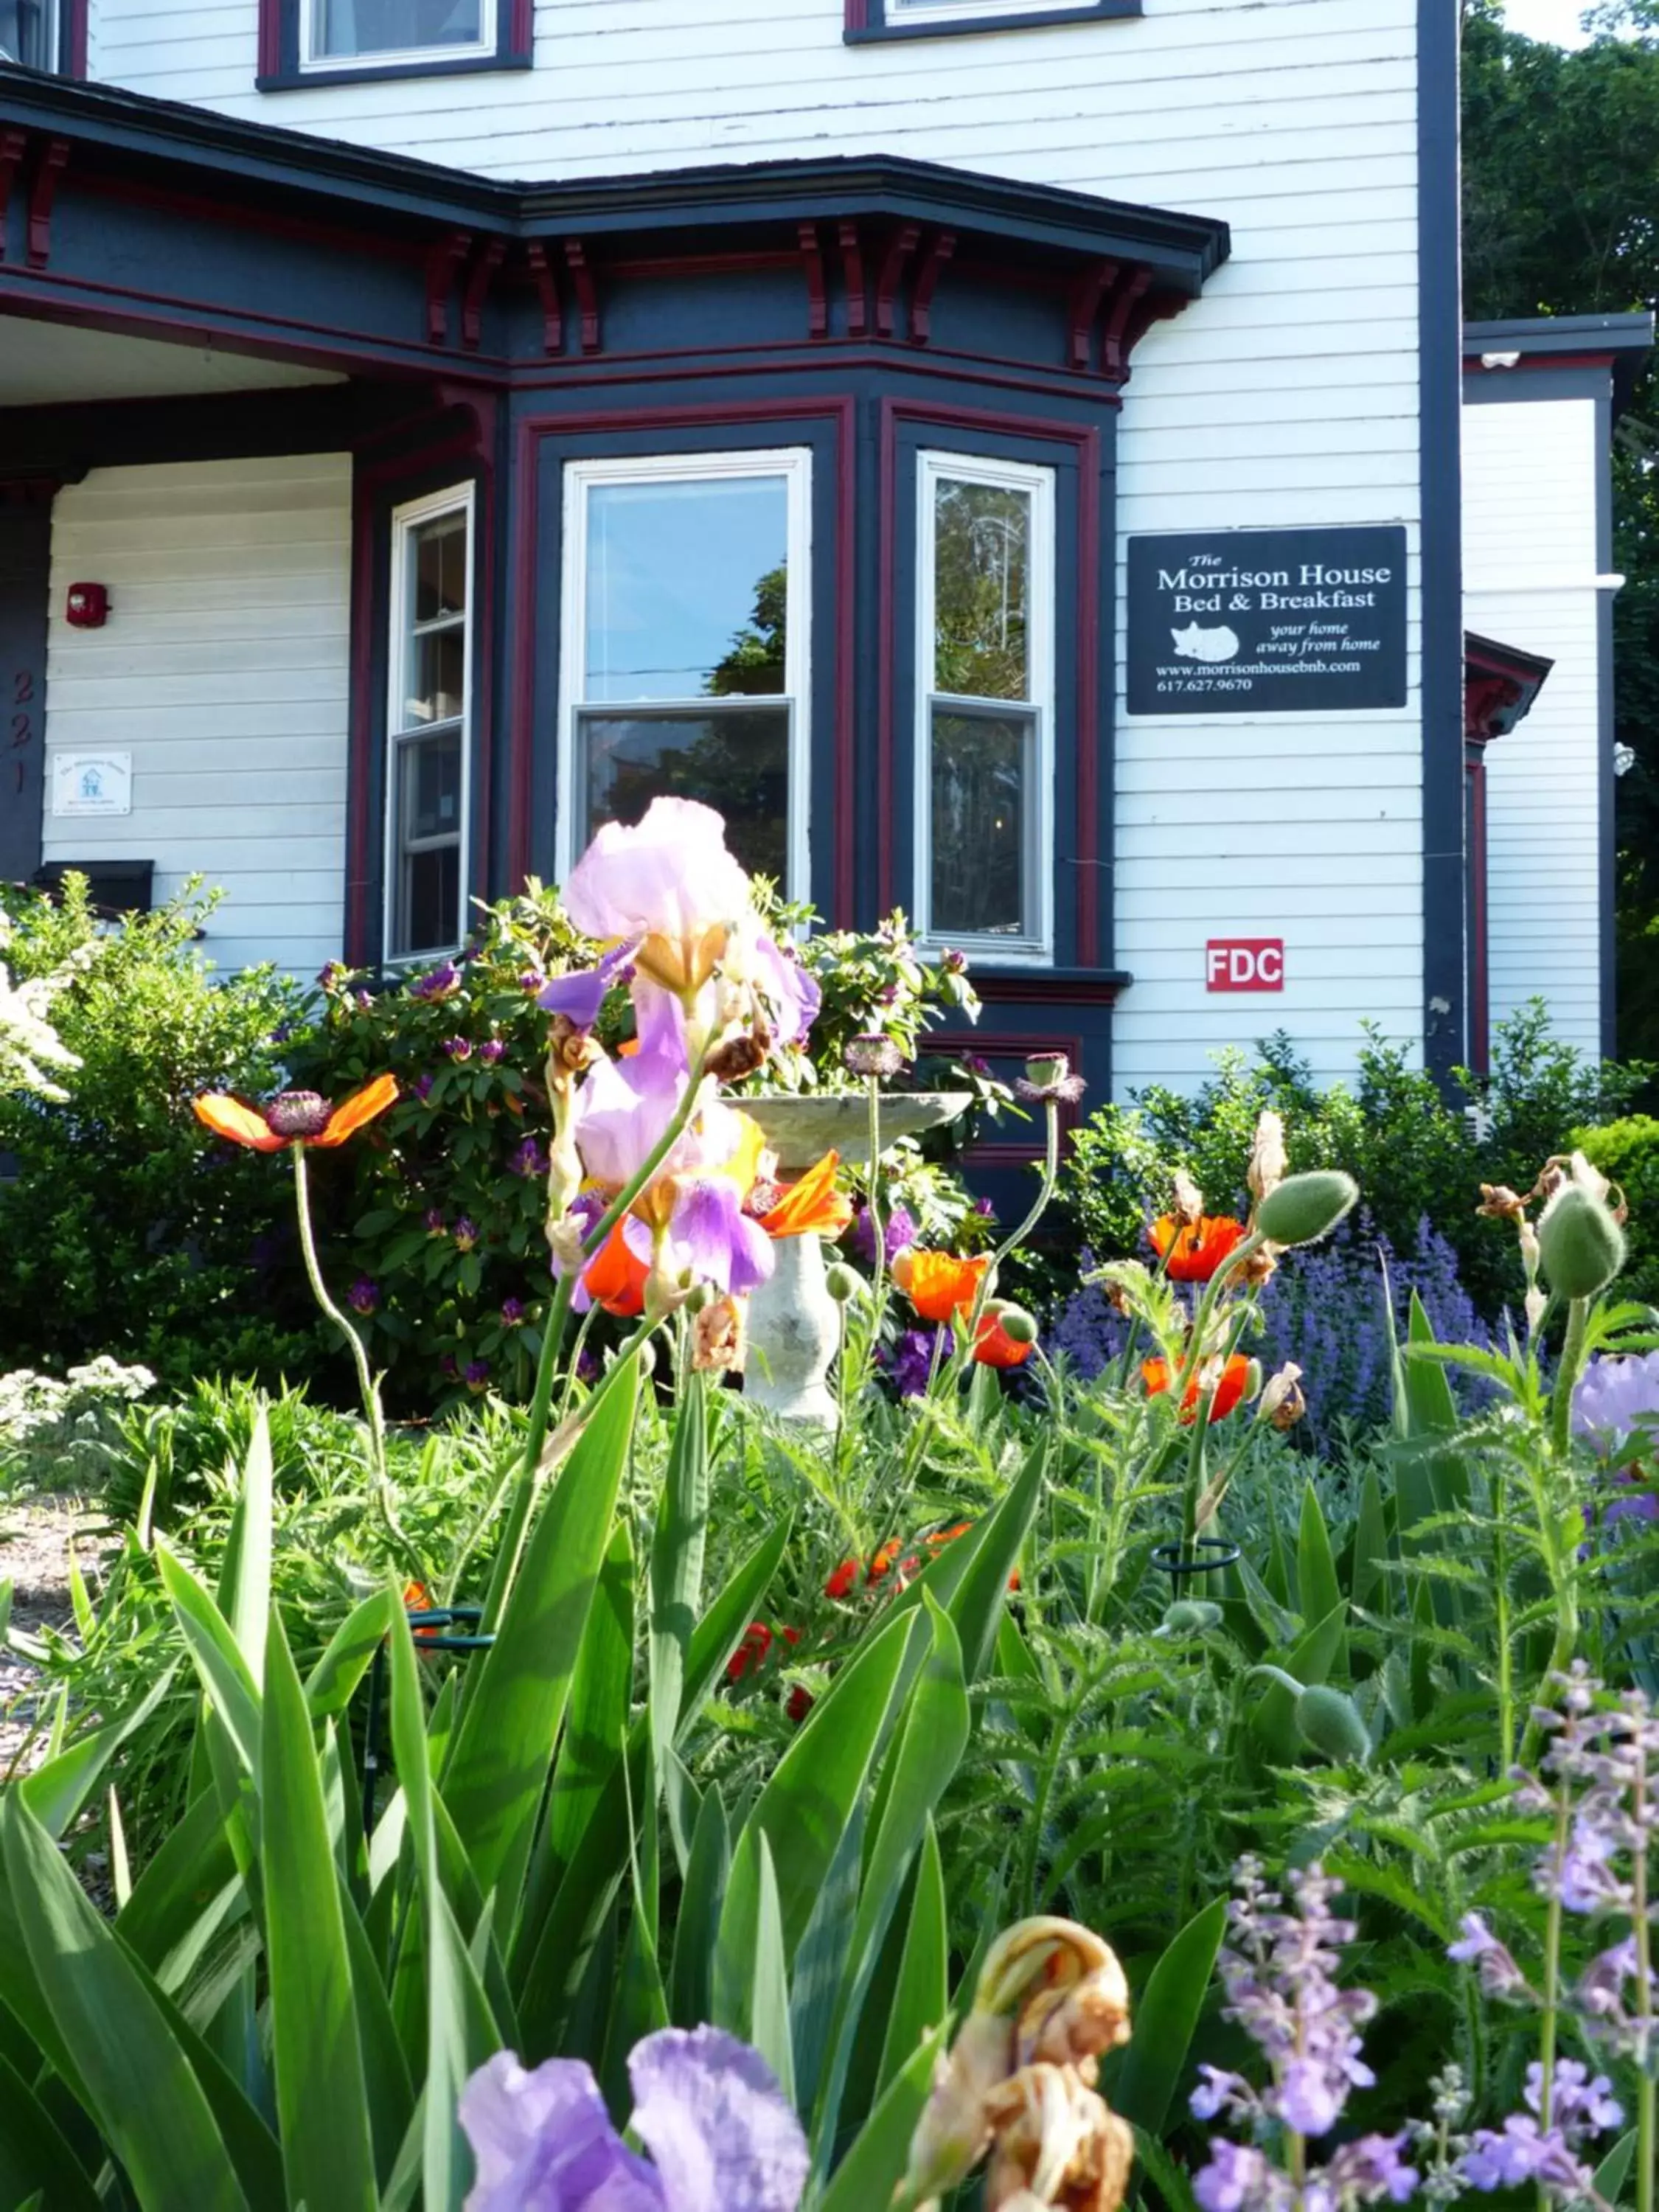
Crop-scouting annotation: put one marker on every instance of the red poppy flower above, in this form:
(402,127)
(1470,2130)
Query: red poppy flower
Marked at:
(799,1703)
(1193,1250)
(885,1558)
(844,1579)
(294,1117)
(615,1277)
(1155,1374)
(937,1284)
(751,1653)
(995,1347)
(813,1203)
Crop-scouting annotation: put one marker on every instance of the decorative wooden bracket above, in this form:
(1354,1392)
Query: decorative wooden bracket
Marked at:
(900,247)
(1087,292)
(54,159)
(852,281)
(546,291)
(443,262)
(1118,299)
(588,299)
(817,297)
(13,144)
(921,300)
(480,278)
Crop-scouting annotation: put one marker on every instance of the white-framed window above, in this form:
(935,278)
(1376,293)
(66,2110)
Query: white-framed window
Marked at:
(29,33)
(685,659)
(428,721)
(985,706)
(335,33)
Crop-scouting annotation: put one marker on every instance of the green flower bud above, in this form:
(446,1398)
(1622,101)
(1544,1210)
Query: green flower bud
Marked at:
(1306,1206)
(843,1282)
(1582,1246)
(1331,1725)
(1191,1616)
(1018,1324)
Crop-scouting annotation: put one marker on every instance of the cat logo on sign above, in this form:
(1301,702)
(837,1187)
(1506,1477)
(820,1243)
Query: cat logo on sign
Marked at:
(1244,963)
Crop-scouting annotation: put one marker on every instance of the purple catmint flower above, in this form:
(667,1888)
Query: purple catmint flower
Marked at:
(910,1364)
(708,2108)
(1521,2152)
(1587,1878)
(437,982)
(513,1311)
(363,1295)
(465,1233)
(1368,2169)
(1499,1975)
(423,1086)
(898,1231)
(1577,2103)
(492,1050)
(527,1158)
(1239,2179)
(1220,2091)
(477,1375)
(457,1048)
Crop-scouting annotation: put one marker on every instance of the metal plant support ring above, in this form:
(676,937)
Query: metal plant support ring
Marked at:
(1176,1560)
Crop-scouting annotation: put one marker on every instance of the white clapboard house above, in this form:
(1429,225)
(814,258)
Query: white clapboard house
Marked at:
(1019,458)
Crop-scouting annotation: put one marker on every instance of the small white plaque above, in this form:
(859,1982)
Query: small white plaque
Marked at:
(92,783)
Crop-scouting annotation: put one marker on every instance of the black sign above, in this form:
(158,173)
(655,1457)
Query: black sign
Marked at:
(1267,622)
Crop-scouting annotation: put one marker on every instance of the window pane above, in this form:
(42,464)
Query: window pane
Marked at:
(430,804)
(437,674)
(438,556)
(351,27)
(686,589)
(981,554)
(25,33)
(735,758)
(431,900)
(980,805)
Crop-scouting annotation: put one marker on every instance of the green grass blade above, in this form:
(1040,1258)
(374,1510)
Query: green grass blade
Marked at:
(504,1745)
(873,2168)
(697,1924)
(332,1682)
(217,1655)
(34,2156)
(1318,1590)
(921,1997)
(250,1595)
(321,2095)
(677,1551)
(57,1792)
(1149,2072)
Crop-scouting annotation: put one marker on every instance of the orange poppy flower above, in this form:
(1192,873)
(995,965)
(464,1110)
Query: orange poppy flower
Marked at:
(1193,1250)
(813,1204)
(417,1598)
(615,1277)
(885,1558)
(937,1284)
(1155,1374)
(941,1537)
(995,1347)
(843,1579)
(294,1117)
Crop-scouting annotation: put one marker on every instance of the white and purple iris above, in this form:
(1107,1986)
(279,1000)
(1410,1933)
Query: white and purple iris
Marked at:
(1615,1407)
(722,2134)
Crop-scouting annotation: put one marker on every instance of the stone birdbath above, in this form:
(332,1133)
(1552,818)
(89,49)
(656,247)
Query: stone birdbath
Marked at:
(794,1325)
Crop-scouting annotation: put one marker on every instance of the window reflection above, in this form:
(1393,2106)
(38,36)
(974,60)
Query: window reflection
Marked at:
(350,28)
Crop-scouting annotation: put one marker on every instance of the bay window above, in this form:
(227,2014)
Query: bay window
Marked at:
(685,656)
(428,721)
(985,676)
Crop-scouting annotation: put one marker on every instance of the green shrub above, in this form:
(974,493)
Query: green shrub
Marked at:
(122,1232)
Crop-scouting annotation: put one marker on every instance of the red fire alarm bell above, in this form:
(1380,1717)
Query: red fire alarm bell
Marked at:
(89,606)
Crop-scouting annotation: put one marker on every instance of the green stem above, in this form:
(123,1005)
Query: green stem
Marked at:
(1567,1375)
(541,1403)
(1046,1190)
(1643,1935)
(1505,1656)
(878,1240)
(1212,1290)
(1546,2027)
(368,1389)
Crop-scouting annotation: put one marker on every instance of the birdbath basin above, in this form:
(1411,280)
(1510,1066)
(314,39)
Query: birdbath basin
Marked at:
(801,1128)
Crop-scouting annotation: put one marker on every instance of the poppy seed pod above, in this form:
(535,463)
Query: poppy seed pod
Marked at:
(1191,1616)
(843,1282)
(1582,1246)
(1018,1324)
(1304,1207)
(1330,1724)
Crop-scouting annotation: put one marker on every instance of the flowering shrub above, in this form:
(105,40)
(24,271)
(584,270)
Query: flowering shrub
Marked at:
(62,1431)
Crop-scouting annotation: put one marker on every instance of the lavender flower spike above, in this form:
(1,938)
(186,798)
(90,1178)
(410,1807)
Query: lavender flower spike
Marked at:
(722,2134)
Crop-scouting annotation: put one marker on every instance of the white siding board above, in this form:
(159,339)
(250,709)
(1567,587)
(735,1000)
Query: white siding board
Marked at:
(224,672)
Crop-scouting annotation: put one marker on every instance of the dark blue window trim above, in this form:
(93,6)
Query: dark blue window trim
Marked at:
(868,21)
(279,67)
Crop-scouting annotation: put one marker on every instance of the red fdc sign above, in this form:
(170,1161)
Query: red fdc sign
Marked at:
(1244,963)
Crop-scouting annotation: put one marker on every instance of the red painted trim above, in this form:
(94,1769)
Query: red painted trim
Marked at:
(1115,339)
(270,38)
(1479,979)
(481,277)
(521,30)
(13,145)
(900,246)
(1084,438)
(588,300)
(1089,595)
(1084,306)
(817,298)
(857,15)
(547,289)
(851,276)
(844,827)
(746,264)
(1473,365)
(77,35)
(245,216)
(840,355)
(54,159)
(839,409)
(927,277)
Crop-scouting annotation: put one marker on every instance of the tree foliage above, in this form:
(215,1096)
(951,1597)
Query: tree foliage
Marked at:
(1561,217)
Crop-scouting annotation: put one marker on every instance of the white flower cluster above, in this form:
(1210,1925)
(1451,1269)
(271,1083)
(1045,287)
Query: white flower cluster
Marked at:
(31,1402)
(29,1046)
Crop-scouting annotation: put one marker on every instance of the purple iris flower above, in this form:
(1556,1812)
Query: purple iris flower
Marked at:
(720,2131)
(709,1237)
(438,982)
(580,995)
